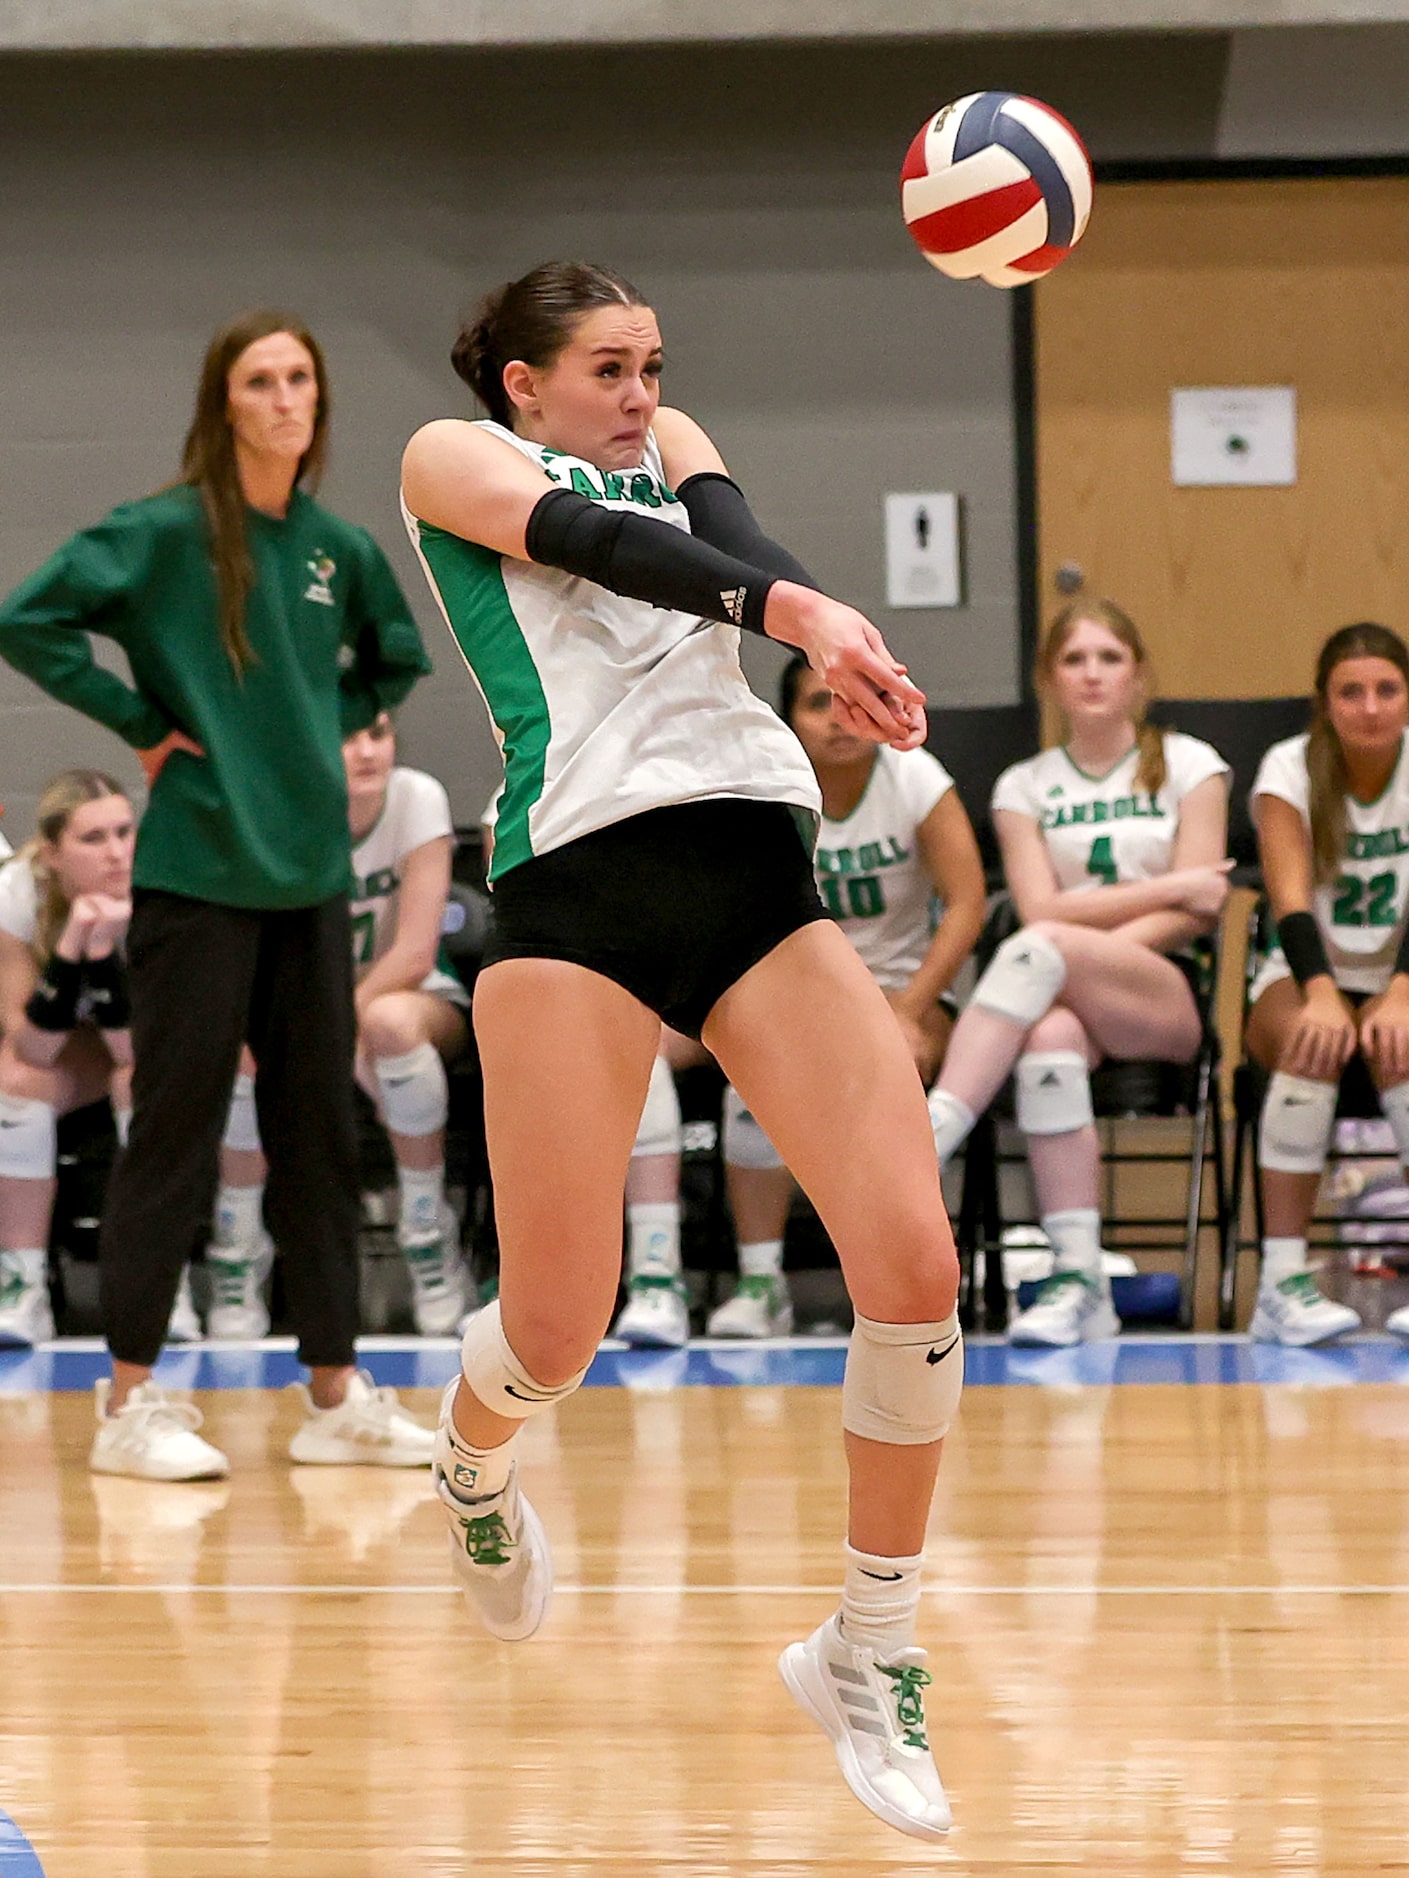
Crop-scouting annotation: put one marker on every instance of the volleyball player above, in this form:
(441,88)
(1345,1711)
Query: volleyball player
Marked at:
(259,630)
(594,560)
(898,868)
(1113,845)
(411,1021)
(1332,814)
(64,907)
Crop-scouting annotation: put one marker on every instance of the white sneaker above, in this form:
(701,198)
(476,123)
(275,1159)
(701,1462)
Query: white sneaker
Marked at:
(26,1316)
(655,1315)
(1069,1308)
(872,1708)
(185,1325)
(499,1551)
(237,1311)
(441,1290)
(1294,1312)
(760,1307)
(368,1428)
(1398,1321)
(152,1438)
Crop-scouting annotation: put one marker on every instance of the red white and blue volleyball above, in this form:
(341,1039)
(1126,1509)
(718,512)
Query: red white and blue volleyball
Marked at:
(996,187)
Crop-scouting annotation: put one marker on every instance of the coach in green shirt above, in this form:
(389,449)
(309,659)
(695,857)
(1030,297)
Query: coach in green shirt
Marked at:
(260,630)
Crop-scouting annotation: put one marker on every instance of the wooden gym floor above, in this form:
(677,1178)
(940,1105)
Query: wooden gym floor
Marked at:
(1167,1625)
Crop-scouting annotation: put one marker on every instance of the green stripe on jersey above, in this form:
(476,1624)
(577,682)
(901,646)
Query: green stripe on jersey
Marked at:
(470,580)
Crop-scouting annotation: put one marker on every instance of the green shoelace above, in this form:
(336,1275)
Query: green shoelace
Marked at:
(654,1281)
(756,1285)
(1049,1287)
(909,1705)
(487,1540)
(12,1284)
(1301,1288)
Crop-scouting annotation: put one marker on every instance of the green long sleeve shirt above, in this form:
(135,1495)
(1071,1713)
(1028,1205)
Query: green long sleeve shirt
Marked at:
(260,820)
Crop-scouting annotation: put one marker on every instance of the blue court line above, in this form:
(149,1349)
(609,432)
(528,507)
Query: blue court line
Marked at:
(415,1363)
(18,1858)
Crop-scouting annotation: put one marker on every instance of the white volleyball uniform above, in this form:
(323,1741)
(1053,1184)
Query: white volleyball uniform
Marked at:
(602,707)
(1361,913)
(870,873)
(416,810)
(19,900)
(1103,831)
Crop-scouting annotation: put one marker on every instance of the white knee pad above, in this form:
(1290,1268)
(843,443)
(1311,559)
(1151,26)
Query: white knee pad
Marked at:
(745,1144)
(903,1381)
(1395,1103)
(497,1377)
(1295,1130)
(415,1096)
(1023,979)
(1054,1092)
(242,1123)
(27,1139)
(659,1130)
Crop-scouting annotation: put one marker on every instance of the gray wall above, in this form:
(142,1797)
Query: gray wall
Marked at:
(750,190)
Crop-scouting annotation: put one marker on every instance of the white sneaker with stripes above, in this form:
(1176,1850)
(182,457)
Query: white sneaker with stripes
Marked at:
(872,1708)
(1293,1312)
(499,1551)
(368,1428)
(152,1438)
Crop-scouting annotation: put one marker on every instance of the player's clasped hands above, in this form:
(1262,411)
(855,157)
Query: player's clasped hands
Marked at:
(1324,1036)
(872,695)
(95,925)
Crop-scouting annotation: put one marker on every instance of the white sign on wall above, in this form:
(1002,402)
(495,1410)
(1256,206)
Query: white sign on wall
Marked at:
(1242,435)
(922,550)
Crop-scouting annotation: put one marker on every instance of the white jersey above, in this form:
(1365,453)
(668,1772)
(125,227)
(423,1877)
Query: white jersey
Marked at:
(19,899)
(602,707)
(1361,913)
(1101,831)
(416,810)
(870,871)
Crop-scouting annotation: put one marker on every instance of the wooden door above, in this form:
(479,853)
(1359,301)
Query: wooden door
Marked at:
(1301,282)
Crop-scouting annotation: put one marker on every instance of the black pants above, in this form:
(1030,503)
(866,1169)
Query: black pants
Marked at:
(205,979)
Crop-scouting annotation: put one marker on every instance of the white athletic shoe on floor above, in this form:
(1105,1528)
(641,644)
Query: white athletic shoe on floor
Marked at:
(1294,1312)
(152,1438)
(238,1313)
(26,1316)
(655,1315)
(441,1289)
(368,1428)
(185,1325)
(872,1709)
(760,1307)
(1398,1321)
(1069,1308)
(499,1551)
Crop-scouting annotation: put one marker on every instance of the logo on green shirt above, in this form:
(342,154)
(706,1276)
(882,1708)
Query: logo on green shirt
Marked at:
(322,567)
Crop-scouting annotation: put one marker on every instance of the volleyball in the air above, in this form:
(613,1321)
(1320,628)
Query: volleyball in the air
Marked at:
(996,187)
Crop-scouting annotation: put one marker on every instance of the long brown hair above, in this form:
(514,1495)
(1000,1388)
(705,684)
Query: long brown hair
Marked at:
(67,791)
(208,463)
(1325,760)
(531,319)
(1149,739)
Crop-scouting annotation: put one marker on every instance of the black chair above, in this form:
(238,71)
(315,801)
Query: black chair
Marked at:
(1121,1092)
(976,746)
(1241,730)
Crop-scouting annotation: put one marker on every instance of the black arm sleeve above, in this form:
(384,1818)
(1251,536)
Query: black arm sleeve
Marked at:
(105,983)
(719,514)
(53,1004)
(643,559)
(1302,947)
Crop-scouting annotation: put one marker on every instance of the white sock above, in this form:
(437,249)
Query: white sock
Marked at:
(239,1220)
(880,1601)
(762,1259)
(422,1197)
(122,1121)
(653,1239)
(951,1120)
(478,1473)
(1395,1103)
(1282,1257)
(30,1263)
(1076,1241)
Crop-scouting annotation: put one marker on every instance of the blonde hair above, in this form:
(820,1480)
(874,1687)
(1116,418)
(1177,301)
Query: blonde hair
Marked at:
(1325,760)
(67,792)
(1149,738)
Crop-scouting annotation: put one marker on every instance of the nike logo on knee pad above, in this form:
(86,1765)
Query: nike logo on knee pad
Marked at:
(938,1356)
(885,1578)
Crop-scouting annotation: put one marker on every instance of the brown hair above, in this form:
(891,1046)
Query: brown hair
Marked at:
(67,791)
(1149,738)
(208,463)
(531,319)
(1325,760)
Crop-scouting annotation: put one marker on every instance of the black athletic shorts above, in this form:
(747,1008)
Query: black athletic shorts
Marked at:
(674,905)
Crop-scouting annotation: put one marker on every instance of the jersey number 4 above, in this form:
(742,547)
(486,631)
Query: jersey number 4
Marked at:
(1101,862)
